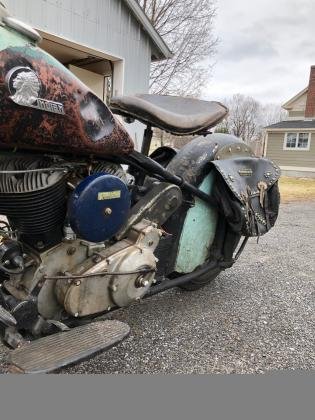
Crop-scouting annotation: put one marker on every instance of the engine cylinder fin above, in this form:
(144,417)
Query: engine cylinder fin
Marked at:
(111,169)
(26,181)
(34,202)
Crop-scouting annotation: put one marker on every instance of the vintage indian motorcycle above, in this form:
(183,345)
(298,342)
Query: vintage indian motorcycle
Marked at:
(89,224)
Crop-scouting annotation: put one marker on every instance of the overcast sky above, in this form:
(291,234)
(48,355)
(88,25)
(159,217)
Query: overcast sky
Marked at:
(266,48)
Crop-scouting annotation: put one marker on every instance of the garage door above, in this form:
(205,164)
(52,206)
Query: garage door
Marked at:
(93,80)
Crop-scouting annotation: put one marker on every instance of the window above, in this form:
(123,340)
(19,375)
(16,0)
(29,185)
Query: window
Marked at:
(296,141)
(303,141)
(291,140)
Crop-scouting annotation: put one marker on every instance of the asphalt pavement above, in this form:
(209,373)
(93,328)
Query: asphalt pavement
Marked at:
(256,317)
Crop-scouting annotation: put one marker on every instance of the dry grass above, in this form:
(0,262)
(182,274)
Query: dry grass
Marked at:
(295,189)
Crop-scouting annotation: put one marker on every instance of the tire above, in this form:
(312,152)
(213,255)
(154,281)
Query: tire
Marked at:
(202,281)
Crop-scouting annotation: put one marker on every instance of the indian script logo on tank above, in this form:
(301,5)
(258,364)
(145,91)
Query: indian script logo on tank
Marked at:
(24,87)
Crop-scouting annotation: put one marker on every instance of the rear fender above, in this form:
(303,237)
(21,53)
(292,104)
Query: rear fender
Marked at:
(192,162)
(194,225)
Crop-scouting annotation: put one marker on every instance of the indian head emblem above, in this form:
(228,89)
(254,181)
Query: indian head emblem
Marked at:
(25,86)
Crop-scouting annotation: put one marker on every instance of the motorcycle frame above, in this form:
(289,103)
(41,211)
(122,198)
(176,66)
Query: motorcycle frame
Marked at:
(147,166)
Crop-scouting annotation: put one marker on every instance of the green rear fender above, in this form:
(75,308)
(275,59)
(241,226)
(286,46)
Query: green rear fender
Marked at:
(194,230)
(198,232)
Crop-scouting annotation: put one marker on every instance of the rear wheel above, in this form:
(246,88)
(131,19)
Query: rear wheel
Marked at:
(201,281)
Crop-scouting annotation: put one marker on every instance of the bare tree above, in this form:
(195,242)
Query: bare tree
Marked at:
(243,118)
(186,26)
(247,119)
(269,114)
(272,113)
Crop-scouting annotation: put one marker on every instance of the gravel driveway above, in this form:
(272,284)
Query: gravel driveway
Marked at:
(256,317)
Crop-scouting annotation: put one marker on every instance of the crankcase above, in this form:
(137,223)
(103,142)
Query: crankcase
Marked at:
(116,276)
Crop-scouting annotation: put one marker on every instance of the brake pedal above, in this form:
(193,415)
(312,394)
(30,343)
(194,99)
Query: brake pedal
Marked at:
(58,350)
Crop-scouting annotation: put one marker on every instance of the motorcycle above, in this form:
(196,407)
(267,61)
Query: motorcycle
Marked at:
(91,225)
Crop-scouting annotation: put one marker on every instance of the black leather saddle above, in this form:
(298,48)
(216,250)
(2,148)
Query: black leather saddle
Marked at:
(174,114)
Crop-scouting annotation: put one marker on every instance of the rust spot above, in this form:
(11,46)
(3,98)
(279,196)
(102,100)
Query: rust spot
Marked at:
(94,132)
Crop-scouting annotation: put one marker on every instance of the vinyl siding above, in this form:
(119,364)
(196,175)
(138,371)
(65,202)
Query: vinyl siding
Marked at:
(282,157)
(298,104)
(294,114)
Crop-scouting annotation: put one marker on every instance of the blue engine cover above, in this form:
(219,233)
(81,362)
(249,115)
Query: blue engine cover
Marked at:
(99,207)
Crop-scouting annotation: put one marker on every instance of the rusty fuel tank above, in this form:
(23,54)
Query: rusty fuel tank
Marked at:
(44,107)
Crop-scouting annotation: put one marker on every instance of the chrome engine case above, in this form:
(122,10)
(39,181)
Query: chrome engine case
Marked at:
(90,295)
(94,294)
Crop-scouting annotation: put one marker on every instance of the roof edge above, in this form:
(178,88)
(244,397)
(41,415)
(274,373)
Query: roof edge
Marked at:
(149,29)
(292,124)
(288,103)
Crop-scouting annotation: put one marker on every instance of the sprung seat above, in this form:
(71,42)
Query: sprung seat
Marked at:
(176,115)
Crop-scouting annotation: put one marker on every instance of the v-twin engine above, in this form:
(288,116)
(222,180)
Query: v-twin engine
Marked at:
(45,264)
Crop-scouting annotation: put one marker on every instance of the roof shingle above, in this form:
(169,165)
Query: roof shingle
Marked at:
(293,124)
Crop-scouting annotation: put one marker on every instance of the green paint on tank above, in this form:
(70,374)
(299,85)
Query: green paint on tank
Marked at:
(198,232)
(11,38)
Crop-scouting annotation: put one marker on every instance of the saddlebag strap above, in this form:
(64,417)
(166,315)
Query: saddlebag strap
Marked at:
(247,193)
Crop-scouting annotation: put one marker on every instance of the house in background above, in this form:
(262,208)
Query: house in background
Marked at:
(108,44)
(291,143)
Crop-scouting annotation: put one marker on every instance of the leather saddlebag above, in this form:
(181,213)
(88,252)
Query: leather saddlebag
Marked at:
(247,193)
